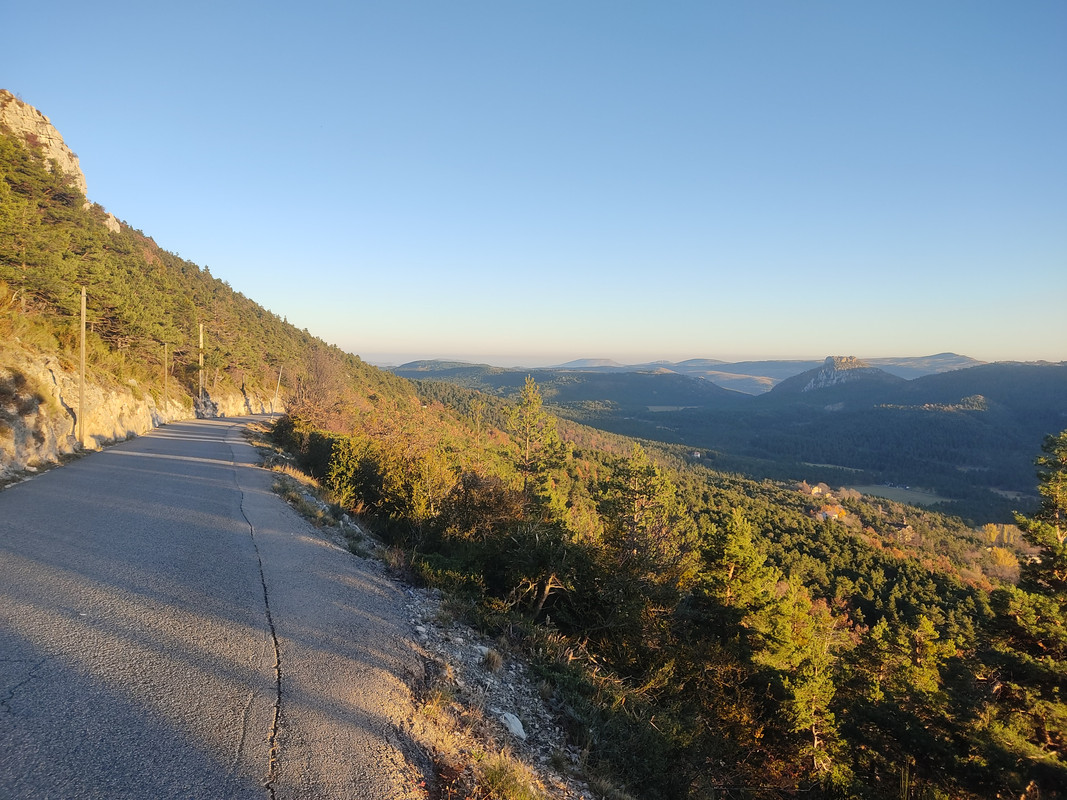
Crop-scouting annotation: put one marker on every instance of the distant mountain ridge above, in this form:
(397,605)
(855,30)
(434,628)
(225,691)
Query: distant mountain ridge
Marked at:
(968,432)
(591,363)
(916,367)
(749,377)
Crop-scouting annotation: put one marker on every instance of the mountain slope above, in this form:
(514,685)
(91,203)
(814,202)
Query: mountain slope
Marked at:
(917,367)
(967,433)
(834,372)
(145,306)
(748,377)
(582,391)
(677,653)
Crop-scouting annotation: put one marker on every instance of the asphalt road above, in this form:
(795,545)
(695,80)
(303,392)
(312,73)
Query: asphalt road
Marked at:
(169,628)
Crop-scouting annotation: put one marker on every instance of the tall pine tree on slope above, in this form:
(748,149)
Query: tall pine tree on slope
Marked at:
(1026,714)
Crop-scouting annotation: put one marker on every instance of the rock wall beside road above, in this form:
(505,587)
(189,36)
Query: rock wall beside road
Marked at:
(39,408)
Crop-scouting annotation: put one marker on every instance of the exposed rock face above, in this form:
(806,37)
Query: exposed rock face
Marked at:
(234,405)
(38,412)
(837,370)
(39,396)
(112,223)
(36,129)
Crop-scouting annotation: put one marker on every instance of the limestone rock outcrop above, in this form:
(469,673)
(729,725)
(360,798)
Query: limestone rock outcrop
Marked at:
(37,130)
(39,392)
(837,370)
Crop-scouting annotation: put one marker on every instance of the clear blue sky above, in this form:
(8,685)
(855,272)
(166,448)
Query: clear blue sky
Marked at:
(530,182)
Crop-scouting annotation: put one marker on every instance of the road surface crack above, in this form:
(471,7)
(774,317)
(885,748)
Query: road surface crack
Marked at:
(272,757)
(273,739)
(9,695)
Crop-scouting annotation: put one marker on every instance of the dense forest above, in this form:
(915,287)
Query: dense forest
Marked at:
(700,634)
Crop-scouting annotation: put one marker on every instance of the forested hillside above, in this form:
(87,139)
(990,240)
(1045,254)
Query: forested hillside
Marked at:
(143,302)
(964,435)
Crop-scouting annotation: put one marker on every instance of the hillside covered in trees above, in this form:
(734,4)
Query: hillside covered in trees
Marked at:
(144,304)
(963,434)
(700,634)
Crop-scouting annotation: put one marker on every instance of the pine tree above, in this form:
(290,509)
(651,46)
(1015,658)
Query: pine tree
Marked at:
(533,429)
(801,646)
(1026,711)
(737,576)
(1047,528)
(649,532)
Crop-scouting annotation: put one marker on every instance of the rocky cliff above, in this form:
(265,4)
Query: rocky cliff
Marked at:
(835,371)
(39,388)
(26,122)
(36,129)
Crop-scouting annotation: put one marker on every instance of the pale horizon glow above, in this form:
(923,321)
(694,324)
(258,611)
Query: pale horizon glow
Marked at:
(526,185)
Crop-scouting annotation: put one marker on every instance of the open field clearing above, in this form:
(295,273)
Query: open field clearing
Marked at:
(900,494)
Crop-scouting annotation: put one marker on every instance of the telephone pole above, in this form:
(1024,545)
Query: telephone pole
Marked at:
(165,347)
(201,394)
(81,381)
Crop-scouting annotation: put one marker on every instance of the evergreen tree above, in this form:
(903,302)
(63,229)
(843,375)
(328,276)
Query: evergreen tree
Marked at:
(1025,716)
(646,559)
(736,576)
(651,535)
(801,646)
(538,444)
(1047,528)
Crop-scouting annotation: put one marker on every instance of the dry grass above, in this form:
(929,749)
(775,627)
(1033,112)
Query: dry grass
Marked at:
(493,661)
(609,789)
(508,779)
(306,505)
(297,474)
(304,495)
(467,763)
(296,487)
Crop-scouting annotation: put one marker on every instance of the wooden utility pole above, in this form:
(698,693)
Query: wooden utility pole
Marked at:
(81,381)
(276,390)
(201,395)
(165,347)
